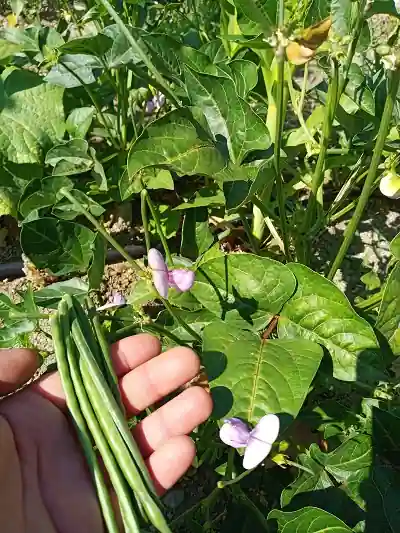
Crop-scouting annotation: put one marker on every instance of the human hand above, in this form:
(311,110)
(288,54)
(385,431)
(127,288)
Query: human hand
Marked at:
(44,483)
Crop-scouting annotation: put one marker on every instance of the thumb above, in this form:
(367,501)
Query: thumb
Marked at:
(17,366)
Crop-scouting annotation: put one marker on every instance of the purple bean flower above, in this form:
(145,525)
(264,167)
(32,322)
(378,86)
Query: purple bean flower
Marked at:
(116,300)
(178,278)
(258,441)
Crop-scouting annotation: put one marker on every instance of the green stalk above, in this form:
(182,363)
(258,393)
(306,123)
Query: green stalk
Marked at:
(280,61)
(101,229)
(245,473)
(371,302)
(393,86)
(156,218)
(318,176)
(145,220)
(60,335)
(180,320)
(254,243)
(138,51)
(93,98)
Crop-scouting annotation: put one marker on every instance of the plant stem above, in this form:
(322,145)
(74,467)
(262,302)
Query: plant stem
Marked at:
(180,320)
(252,240)
(371,302)
(138,50)
(145,220)
(101,229)
(318,176)
(223,484)
(393,86)
(156,218)
(300,467)
(93,98)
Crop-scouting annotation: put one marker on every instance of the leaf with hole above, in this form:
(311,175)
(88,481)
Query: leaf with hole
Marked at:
(250,377)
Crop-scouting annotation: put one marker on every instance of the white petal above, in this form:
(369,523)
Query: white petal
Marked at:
(261,440)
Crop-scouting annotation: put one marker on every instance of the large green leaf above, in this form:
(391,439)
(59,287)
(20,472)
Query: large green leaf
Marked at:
(69,158)
(59,246)
(121,52)
(251,377)
(96,45)
(175,142)
(306,482)
(42,193)
(74,70)
(341,16)
(227,114)
(308,520)
(243,289)
(31,118)
(351,456)
(79,121)
(263,12)
(319,311)
(50,296)
(389,312)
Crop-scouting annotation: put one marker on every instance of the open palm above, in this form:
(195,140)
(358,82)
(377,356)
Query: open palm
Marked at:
(44,484)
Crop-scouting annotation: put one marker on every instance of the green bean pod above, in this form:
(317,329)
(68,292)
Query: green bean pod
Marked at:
(117,479)
(81,426)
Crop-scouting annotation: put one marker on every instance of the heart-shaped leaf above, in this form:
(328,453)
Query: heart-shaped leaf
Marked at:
(227,114)
(319,311)
(31,118)
(251,377)
(243,289)
(58,246)
(176,142)
(310,520)
(388,320)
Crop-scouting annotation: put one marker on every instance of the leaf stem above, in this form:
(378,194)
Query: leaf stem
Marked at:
(180,320)
(138,50)
(222,484)
(156,218)
(297,465)
(280,60)
(101,229)
(145,220)
(370,302)
(393,85)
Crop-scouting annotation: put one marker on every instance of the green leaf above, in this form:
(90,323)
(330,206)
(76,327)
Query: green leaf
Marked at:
(389,311)
(395,246)
(263,12)
(69,158)
(308,519)
(251,377)
(244,75)
(196,234)
(120,53)
(142,293)
(227,114)
(351,456)
(8,50)
(13,181)
(65,210)
(96,45)
(174,142)
(96,268)
(74,70)
(319,311)
(42,193)
(243,289)
(155,178)
(6,306)
(359,92)
(79,121)
(31,118)
(206,196)
(379,7)
(306,482)
(50,296)
(341,16)
(58,246)
(197,320)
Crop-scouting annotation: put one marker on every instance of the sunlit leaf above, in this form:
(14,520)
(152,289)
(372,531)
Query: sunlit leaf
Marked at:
(388,321)
(251,377)
(310,519)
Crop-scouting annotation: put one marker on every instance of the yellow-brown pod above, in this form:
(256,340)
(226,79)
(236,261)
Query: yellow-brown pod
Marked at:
(303,48)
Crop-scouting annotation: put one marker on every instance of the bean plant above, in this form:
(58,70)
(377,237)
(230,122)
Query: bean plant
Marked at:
(237,133)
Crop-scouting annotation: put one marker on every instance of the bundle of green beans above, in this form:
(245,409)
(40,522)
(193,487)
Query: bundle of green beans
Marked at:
(94,402)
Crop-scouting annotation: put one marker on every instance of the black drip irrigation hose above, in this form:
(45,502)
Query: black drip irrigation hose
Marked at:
(15,270)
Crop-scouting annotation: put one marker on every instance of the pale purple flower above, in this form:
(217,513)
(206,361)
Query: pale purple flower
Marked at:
(178,278)
(116,300)
(258,441)
(155,103)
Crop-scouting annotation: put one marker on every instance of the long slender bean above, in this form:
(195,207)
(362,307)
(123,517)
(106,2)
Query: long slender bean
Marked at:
(120,486)
(107,366)
(59,336)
